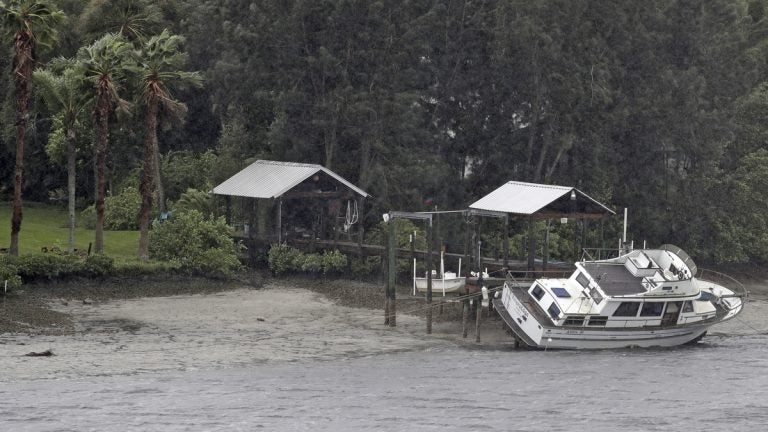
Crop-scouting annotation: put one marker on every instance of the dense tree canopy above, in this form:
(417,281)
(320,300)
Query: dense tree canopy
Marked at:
(658,106)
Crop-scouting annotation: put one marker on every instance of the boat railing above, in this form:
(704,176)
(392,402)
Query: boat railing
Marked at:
(531,275)
(597,254)
(727,281)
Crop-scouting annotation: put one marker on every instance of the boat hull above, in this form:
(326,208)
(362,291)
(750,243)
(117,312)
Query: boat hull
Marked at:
(442,286)
(524,326)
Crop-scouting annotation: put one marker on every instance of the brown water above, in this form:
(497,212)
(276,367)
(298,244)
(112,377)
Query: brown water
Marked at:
(338,369)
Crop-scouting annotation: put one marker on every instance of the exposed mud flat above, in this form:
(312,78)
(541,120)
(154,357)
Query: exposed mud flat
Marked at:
(243,326)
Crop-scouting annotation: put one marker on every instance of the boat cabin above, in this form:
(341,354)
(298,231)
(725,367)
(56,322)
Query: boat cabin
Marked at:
(641,289)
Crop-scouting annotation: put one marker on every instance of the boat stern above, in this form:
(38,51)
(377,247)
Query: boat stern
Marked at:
(520,320)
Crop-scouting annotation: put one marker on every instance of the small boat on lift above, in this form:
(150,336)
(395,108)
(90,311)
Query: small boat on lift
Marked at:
(448,282)
(643,298)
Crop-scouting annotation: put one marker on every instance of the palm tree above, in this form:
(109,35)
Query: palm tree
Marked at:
(28,24)
(132,19)
(61,87)
(105,65)
(159,69)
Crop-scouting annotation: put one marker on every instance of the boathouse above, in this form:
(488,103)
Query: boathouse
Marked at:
(272,201)
(538,201)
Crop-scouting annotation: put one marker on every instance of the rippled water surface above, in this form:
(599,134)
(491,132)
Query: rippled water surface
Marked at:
(719,384)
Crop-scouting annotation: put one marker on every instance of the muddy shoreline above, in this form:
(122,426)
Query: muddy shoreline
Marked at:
(37,308)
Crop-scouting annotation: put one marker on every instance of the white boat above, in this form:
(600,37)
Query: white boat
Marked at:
(448,284)
(644,298)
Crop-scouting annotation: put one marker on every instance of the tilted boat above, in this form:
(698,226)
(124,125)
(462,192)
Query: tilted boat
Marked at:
(643,298)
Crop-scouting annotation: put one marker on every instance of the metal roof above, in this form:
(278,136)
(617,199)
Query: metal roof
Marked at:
(529,198)
(271,179)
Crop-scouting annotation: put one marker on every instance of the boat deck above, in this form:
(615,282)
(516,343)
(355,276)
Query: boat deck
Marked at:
(615,279)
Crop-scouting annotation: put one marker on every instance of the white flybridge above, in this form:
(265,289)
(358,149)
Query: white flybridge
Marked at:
(644,298)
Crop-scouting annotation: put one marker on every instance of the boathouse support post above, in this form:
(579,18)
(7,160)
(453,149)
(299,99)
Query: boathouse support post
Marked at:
(413,259)
(280,221)
(505,245)
(545,259)
(360,229)
(391,272)
(429,276)
(531,245)
(228,213)
(465,302)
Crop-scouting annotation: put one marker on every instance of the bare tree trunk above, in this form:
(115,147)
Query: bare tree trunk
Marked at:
(145,187)
(71,155)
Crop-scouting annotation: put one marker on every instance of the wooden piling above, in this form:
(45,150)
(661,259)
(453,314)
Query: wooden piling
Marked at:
(479,311)
(464,318)
(429,277)
(392,268)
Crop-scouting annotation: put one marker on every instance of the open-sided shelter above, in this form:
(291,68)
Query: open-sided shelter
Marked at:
(539,201)
(312,193)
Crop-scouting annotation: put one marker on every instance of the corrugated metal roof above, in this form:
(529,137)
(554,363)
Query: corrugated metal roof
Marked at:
(526,198)
(271,179)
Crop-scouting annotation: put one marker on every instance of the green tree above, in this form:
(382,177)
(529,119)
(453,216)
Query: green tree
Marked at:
(61,85)
(28,25)
(106,62)
(159,68)
(134,20)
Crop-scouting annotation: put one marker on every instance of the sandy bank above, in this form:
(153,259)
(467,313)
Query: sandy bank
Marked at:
(277,323)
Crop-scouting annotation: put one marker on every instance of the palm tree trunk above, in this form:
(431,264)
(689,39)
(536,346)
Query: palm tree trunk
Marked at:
(145,187)
(21,126)
(22,72)
(158,180)
(101,168)
(71,155)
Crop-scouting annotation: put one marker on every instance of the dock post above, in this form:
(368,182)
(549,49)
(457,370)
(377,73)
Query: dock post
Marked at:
(467,264)
(464,318)
(479,311)
(429,276)
(391,271)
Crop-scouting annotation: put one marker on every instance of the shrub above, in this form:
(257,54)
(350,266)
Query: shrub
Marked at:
(9,273)
(137,268)
(98,265)
(334,262)
(194,199)
(311,263)
(282,258)
(47,266)
(200,245)
(121,212)
(366,266)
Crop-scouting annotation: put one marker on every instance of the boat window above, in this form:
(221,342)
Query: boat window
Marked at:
(688,306)
(560,292)
(652,309)
(537,292)
(554,311)
(595,294)
(627,309)
(597,320)
(574,321)
(583,280)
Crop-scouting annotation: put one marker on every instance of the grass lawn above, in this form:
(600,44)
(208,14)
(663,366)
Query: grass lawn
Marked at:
(44,225)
